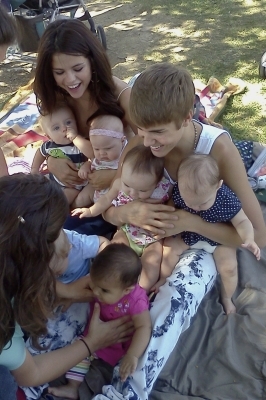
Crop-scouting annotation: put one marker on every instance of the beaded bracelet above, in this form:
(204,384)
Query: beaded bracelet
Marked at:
(83,341)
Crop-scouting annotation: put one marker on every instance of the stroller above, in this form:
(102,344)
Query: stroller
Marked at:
(33,16)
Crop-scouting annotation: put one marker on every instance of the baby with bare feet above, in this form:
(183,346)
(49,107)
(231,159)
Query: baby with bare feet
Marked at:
(199,190)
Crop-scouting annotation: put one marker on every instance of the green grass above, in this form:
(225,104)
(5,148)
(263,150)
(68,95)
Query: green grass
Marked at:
(211,38)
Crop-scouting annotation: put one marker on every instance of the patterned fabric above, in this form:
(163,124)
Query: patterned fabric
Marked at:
(171,312)
(225,208)
(79,371)
(138,235)
(69,151)
(62,330)
(245,149)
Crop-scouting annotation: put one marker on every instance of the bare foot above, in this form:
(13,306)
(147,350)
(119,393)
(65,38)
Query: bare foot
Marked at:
(69,391)
(229,306)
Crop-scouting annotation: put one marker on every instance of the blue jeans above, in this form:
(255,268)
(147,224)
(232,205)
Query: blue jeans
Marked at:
(8,386)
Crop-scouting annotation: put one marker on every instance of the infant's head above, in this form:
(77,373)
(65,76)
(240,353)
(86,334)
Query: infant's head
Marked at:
(114,273)
(141,172)
(55,125)
(107,137)
(59,262)
(198,180)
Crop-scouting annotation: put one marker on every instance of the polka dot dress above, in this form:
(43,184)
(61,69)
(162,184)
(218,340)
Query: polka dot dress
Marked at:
(226,206)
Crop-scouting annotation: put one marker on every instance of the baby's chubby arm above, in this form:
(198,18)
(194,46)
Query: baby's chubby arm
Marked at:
(37,162)
(245,230)
(102,204)
(85,170)
(140,340)
(80,142)
(103,242)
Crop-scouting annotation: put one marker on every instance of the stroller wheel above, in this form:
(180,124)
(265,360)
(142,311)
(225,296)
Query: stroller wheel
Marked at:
(101,36)
(262,66)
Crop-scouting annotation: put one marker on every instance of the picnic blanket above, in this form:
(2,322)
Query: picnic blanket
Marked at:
(217,356)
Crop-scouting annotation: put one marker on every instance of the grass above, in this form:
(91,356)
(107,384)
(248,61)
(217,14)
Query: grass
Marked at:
(221,38)
(211,38)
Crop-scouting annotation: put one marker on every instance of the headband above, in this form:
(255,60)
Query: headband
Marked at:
(106,132)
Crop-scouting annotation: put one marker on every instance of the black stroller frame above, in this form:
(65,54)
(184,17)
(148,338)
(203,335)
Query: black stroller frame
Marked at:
(33,18)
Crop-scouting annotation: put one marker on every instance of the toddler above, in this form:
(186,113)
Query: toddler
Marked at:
(64,142)
(199,190)
(107,141)
(73,252)
(114,276)
(142,177)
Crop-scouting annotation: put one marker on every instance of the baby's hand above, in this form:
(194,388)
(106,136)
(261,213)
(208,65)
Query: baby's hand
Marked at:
(253,247)
(83,175)
(156,287)
(82,212)
(84,170)
(71,133)
(128,365)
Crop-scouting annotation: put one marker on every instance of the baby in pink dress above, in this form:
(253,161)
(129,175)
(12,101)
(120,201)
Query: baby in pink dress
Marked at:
(142,178)
(114,276)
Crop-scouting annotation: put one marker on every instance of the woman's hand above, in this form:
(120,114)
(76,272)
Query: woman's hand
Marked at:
(103,334)
(101,179)
(64,170)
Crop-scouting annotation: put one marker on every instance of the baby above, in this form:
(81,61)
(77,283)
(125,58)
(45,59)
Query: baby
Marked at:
(73,252)
(64,142)
(200,191)
(108,141)
(114,276)
(142,177)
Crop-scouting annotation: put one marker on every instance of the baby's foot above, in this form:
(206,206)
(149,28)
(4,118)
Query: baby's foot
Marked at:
(67,391)
(229,306)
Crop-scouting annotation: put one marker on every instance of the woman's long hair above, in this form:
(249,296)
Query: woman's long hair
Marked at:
(32,213)
(71,36)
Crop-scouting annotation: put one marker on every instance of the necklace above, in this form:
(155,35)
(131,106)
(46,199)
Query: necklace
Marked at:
(196,135)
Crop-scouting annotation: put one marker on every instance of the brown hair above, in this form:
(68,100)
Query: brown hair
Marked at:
(71,36)
(118,261)
(8,32)
(163,93)
(33,210)
(142,160)
(197,172)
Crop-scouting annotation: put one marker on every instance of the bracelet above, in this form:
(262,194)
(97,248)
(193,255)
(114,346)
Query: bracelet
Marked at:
(83,341)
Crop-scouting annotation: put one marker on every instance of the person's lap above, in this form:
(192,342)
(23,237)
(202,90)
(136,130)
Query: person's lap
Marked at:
(90,226)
